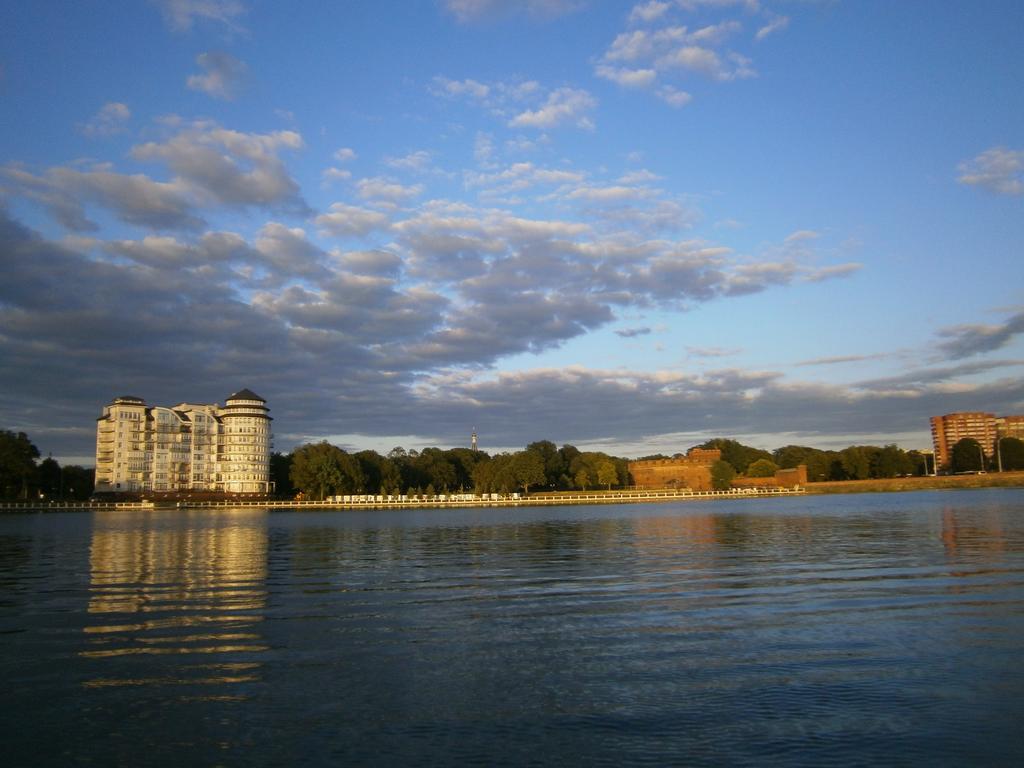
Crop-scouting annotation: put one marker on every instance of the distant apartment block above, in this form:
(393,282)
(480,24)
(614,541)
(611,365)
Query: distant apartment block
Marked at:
(986,428)
(185,448)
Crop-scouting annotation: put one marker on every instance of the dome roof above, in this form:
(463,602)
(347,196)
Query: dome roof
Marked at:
(245,394)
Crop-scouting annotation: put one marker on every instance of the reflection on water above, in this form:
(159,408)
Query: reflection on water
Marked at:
(810,631)
(179,585)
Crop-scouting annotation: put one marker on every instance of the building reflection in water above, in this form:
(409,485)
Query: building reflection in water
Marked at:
(176,599)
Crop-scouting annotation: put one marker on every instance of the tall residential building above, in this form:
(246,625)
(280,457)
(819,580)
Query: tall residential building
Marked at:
(190,447)
(949,429)
(1010,426)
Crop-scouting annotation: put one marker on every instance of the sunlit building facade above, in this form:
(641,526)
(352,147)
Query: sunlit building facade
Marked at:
(986,428)
(190,447)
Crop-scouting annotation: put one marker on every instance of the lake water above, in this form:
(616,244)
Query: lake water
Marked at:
(830,630)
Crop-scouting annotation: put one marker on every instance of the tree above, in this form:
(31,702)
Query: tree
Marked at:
(582,479)
(528,469)
(49,477)
(1011,453)
(967,456)
(855,462)
(738,455)
(891,461)
(606,473)
(464,460)
(280,469)
(322,469)
(494,475)
(433,468)
(17,464)
(78,482)
(554,462)
(762,468)
(722,475)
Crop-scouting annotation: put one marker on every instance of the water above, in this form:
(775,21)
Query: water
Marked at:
(851,630)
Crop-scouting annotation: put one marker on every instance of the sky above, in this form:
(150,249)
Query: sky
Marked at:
(626,226)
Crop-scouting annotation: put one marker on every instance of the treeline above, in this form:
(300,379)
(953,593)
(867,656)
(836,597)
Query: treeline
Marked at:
(861,462)
(319,470)
(22,478)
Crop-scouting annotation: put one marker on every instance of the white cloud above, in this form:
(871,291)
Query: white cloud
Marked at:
(475,10)
(380,188)
(289,253)
(967,340)
(336,174)
(802,235)
(223,77)
(610,193)
(998,170)
(136,199)
(673,96)
(639,176)
(647,12)
(345,155)
(777,24)
(693,5)
(706,61)
(483,149)
(347,220)
(182,14)
(665,50)
(108,121)
(563,105)
(418,161)
(229,167)
(628,78)
(444,86)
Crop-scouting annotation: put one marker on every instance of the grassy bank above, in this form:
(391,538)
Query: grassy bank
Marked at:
(990,480)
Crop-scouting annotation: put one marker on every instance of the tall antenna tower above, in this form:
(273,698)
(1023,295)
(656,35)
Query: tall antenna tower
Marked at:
(472,441)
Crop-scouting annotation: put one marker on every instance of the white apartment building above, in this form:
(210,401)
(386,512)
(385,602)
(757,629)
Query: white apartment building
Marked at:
(190,447)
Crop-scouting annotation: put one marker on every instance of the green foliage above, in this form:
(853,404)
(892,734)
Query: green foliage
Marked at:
(738,455)
(494,475)
(762,468)
(322,469)
(527,470)
(967,456)
(1011,453)
(17,464)
(49,477)
(606,473)
(280,474)
(552,459)
(856,463)
(68,482)
(432,467)
(722,474)
(582,479)
(891,461)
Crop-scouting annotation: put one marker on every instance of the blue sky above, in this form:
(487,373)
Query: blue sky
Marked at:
(630,226)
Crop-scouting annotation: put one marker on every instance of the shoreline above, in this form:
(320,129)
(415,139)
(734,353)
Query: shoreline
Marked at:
(886,485)
(926,483)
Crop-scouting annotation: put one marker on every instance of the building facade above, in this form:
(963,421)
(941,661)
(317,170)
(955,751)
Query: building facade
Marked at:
(986,428)
(191,447)
(692,471)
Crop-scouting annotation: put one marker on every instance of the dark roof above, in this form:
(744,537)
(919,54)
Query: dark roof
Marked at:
(245,394)
(130,398)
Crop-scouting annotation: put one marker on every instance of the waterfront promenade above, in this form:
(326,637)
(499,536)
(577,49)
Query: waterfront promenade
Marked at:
(414,502)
